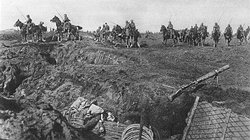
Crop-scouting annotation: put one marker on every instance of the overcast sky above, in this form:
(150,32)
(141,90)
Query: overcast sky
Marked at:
(147,14)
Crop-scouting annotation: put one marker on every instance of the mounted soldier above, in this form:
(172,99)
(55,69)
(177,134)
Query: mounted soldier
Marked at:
(170,28)
(228,34)
(216,28)
(240,28)
(66,21)
(195,29)
(132,25)
(216,34)
(240,34)
(41,24)
(28,22)
(202,34)
(229,29)
(202,27)
(128,32)
(106,26)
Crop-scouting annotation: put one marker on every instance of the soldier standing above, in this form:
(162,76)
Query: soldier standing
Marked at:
(98,33)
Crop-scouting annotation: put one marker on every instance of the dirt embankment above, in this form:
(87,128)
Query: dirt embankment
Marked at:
(46,78)
(50,75)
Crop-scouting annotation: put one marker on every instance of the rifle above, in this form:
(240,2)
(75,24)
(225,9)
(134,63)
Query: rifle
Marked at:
(113,23)
(20,12)
(59,14)
(203,78)
(170,17)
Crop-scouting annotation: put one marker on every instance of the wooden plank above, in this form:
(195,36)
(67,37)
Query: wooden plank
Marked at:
(190,118)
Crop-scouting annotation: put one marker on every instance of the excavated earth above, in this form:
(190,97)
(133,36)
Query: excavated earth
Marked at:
(46,78)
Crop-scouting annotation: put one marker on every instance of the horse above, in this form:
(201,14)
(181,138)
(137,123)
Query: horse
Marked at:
(34,30)
(183,34)
(59,28)
(195,37)
(72,30)
(68,28)
(216,37)
(39,33)
(118,33)
(240,36)
(202,34)
(136,35)
(105,34)
(167,35)
(246,34)
(228,36)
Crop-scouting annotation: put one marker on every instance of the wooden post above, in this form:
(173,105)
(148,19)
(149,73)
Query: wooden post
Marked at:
(190,117)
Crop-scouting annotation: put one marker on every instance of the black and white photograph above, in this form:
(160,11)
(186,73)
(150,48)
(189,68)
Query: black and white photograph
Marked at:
(125,70)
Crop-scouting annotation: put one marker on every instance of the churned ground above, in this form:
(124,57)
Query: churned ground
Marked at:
(122,80)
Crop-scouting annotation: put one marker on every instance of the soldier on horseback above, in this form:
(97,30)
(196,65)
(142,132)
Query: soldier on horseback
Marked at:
(240,29)
(41,24)
(106,27)
(228,34)
(216,34)
(29,22)
(202,27)
(66,21)
(228,29)
(216,28)
(132,25)
(127,25)
(170,28)
(240,34)
(195,27)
